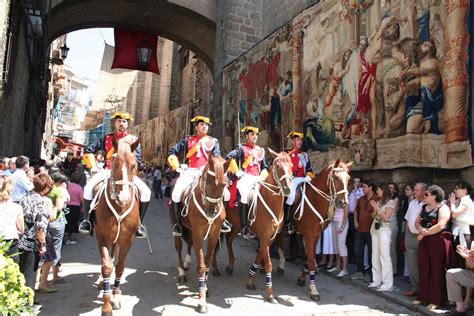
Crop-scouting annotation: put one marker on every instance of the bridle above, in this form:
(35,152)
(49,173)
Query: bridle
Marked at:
(331,197)
(206,201)
(278,188)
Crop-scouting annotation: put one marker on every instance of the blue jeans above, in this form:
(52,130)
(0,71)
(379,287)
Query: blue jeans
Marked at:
(56,231)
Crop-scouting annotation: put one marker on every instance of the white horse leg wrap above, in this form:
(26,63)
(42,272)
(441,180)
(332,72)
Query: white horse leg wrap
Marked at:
(181,271)
(313,289)
(187,261)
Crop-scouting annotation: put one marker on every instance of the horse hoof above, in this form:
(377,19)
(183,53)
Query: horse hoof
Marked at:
(202,308)
(182,279)
(106,313)
(315,297)
(272,300)
(116,305)
(301,282)
(229,270)
(280,271)
(216,273)
(251,287)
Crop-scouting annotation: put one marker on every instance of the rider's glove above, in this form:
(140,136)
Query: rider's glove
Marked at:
(173,162)
(307,179)
(264,174)
(233,168)
(239,174)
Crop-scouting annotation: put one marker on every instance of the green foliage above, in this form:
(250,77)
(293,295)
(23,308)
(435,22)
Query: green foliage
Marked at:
(15,296)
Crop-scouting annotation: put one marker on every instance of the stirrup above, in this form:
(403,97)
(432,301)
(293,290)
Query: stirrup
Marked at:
(177,230)
(141,232)
(290,229)
(85,231)
(247,234)
(226,228)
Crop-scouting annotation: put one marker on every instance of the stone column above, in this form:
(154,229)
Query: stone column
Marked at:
(297,79)
(454,71)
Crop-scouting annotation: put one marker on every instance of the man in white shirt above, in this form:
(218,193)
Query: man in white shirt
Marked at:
(21,183)
(355,194)
(411,243)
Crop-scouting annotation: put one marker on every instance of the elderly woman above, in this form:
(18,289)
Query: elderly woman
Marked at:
(33,242)
(435,252)
(380,231)
(12,224)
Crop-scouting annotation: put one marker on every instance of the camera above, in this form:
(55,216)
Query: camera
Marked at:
(377,225)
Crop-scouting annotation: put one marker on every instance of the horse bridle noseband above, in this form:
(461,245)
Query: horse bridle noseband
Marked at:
(278,180)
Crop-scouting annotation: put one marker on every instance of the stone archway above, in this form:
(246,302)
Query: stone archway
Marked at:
(188,23)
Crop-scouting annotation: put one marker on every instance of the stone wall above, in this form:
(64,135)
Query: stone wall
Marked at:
(240,24)
(14,99)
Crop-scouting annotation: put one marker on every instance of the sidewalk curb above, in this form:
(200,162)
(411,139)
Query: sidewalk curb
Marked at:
(419,309)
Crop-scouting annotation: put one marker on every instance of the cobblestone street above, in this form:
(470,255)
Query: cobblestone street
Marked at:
(151,285)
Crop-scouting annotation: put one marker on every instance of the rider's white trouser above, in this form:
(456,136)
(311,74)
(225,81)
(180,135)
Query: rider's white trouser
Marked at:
(186,178)
(294,184)
(145,192)
(245,185)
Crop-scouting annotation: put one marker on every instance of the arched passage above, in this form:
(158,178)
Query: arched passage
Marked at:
(185,22)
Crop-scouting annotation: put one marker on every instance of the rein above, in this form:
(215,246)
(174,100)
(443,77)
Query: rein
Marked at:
(102,189)
(257,196)
(331,197)
(204,198)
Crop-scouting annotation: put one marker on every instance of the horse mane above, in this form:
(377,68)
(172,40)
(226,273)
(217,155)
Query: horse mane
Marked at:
(218,164)
(125,155)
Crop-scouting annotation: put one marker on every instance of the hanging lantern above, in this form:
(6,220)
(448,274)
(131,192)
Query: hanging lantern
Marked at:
(144,53)
(64,51)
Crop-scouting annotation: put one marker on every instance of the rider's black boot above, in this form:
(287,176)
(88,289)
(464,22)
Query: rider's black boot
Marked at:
(176,208)
(141,232)
(85,226)
(288,225)
(244,221)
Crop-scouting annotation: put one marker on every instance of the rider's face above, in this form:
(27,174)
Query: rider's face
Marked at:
(252,137)
(297,142)
(121,125)
(202,128)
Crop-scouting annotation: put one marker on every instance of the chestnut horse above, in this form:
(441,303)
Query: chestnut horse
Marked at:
(266,215)
(310,214)
(116,220)
(203,218)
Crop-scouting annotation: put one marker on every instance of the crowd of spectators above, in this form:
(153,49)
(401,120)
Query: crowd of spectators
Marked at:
(40,203)
(414,236)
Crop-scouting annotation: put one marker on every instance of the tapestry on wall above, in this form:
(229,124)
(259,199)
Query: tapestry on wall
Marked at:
(257,91)
(384,83)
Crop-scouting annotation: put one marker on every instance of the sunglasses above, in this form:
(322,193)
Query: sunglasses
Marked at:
(427,194)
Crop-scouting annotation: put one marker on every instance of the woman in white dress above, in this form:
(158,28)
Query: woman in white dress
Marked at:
(462,212)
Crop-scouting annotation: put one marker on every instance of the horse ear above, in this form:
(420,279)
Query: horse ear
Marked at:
(349,164)
(227,165)
(274,154)
(135,145)
(337,162)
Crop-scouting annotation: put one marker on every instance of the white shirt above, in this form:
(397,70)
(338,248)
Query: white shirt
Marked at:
(461,223)
(21,185)
(157,175)
(414,210)
(353,197)
(9,212)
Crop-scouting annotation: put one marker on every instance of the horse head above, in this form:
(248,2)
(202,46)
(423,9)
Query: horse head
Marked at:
(215,179)
(338,182)
(123,169)
(281,170)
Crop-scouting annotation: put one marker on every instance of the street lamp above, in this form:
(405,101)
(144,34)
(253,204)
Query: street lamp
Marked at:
(64,51)
(144,54)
